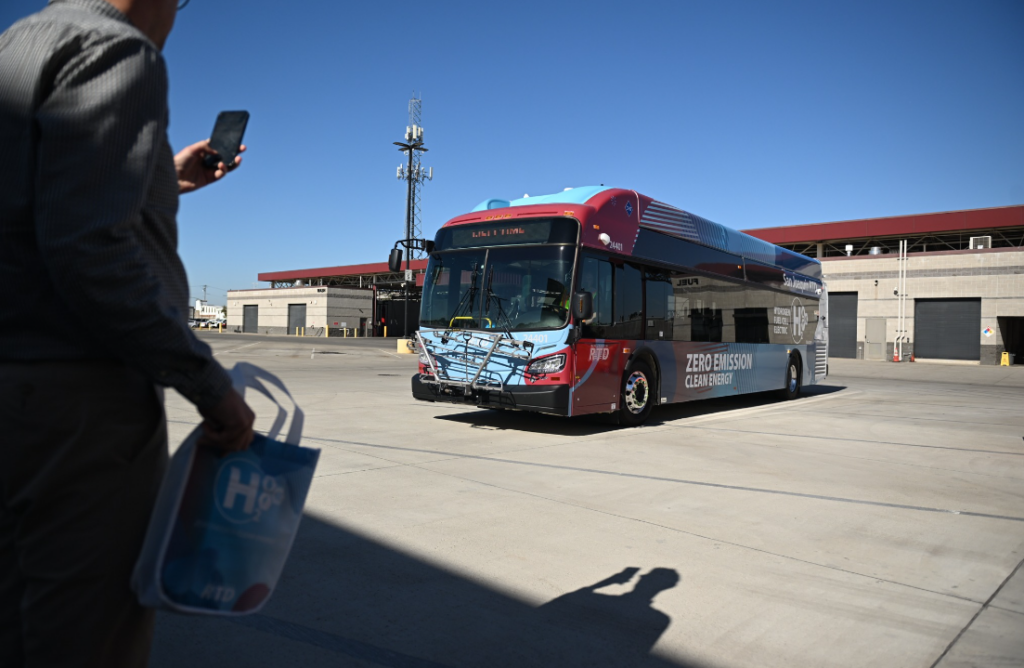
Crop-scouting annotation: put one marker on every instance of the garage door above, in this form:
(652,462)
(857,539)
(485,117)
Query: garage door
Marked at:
(296,317)
(842,324)
(250,318)
(947,329)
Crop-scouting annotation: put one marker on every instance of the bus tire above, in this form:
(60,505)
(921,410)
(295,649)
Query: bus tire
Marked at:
(791,390)
(637,396)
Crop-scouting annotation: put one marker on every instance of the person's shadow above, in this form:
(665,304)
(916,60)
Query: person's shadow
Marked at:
(585,628)
(625,619)
(620,629)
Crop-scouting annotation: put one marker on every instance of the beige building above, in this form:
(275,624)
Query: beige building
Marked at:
(308,310)
(962,295)
(950,284)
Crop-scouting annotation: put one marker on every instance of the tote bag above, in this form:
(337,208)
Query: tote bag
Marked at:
(223,525)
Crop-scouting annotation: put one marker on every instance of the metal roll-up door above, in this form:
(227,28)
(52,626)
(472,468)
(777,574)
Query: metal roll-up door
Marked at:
(250,318)
(947,329)
(842,324)
(296,317)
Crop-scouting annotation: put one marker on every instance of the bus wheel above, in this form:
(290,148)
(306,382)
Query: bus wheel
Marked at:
(637,395)
(792,388)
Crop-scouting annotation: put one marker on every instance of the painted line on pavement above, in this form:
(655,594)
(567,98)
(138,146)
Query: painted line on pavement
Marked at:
(864,440)
(977,614)
(231,350)
(683,481)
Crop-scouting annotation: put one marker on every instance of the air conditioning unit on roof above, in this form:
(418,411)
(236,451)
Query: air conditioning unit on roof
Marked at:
(981,242)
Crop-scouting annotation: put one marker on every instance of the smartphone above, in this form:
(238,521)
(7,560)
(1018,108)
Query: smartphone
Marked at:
(226,139)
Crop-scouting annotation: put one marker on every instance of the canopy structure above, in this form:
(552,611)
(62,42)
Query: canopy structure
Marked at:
(925,232)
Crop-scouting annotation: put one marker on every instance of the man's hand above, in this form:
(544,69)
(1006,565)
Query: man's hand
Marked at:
(228,425)
(192,174)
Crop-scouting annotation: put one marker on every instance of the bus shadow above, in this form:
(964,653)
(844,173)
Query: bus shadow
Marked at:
(690,409)
(501,420)
(346,599)
(589,425)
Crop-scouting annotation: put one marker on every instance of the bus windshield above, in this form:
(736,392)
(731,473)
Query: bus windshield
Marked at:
(515,289)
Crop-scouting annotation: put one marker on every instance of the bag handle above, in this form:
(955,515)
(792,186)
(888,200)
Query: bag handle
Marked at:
(245,375)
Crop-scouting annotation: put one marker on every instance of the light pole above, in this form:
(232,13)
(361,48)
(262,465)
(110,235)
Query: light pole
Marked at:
(413,142)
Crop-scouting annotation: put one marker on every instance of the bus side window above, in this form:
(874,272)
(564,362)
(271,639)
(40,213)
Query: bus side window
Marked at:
(628,312)
(685,293)
(753,321)
(660,305)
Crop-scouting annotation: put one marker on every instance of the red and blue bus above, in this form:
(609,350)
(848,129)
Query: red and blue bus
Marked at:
(602,300)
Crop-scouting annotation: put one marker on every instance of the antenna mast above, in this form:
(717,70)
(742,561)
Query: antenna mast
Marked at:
(414,174)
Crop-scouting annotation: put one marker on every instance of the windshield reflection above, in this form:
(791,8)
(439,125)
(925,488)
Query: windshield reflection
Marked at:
(514,289)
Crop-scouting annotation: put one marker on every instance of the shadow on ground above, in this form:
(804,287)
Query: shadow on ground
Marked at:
(346,600)
(588,425)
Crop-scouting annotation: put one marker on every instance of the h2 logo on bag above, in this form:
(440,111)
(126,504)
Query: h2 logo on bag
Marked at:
(243,493)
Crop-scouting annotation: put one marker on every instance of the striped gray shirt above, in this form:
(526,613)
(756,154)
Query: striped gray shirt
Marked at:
(89,267)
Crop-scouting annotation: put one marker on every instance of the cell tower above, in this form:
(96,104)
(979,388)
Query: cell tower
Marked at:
(414,173)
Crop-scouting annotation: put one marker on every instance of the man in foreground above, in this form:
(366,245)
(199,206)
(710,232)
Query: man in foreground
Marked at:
(88,199)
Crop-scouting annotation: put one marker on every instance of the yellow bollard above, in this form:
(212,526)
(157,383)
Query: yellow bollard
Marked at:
(296,331)
(327,332)
(385,331)
(303,331)
(220,328)
(344,333)
(355,332)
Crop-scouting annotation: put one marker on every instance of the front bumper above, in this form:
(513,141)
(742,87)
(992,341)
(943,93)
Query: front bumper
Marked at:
(552,399)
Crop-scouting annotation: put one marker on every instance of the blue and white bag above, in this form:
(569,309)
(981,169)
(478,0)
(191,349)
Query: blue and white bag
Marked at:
(224,524)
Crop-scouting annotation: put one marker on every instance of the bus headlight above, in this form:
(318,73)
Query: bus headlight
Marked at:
(547,365)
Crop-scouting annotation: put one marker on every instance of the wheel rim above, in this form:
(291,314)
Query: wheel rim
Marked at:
(792,377)
(636,393)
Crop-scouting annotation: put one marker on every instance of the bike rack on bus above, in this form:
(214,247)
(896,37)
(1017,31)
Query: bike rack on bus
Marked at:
(467,353)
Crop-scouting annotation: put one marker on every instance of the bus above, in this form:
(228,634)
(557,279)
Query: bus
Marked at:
(602,300)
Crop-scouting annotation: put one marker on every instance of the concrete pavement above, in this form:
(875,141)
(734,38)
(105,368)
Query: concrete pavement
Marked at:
(879,521)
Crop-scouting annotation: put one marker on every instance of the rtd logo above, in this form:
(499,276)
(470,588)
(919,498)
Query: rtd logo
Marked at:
(599,354)
(243,493)
(218,593)
(799,320)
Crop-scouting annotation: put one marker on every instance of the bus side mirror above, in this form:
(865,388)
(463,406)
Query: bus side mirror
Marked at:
(428,246)
(583,306)
(395,260)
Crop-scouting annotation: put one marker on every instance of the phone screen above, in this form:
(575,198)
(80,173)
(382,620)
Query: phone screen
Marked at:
(227,134)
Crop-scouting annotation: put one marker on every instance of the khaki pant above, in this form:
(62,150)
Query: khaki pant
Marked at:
(83,446)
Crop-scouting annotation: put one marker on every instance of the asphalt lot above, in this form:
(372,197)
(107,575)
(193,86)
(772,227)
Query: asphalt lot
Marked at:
(878,521)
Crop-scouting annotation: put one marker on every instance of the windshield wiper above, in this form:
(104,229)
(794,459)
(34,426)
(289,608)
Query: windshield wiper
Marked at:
(467,299)
(491,294)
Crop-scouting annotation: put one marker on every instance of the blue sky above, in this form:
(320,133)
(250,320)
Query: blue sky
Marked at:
(751,114)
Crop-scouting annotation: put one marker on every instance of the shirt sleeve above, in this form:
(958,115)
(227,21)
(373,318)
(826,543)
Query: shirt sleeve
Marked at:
(101,129)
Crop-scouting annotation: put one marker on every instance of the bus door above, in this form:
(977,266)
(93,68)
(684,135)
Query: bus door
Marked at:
(599,360)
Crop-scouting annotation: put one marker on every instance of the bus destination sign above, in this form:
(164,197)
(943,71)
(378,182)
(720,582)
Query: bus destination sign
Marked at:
(538,231)
(499,233)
